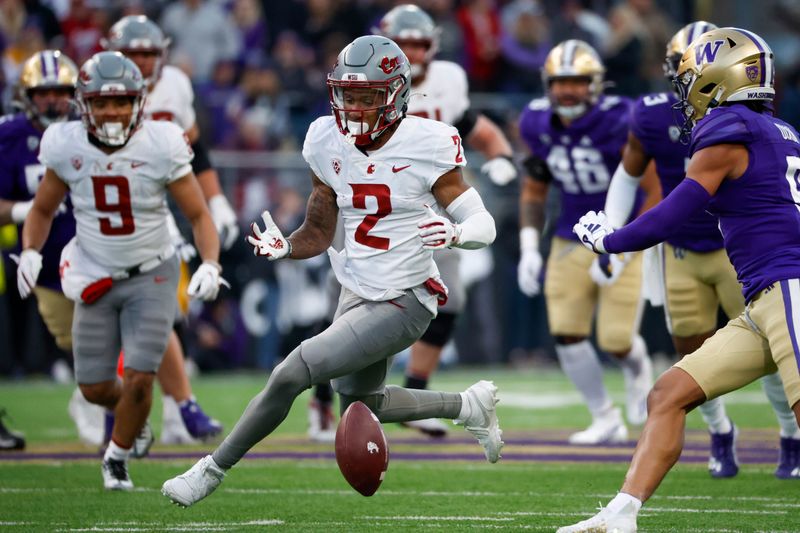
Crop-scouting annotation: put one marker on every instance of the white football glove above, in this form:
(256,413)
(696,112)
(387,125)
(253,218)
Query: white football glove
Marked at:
(225,220)
(206,281)
(186,252)
(528,271)
(29,264)
(607,268)
(437,232)
(269,243)
(591,229)
(501,170)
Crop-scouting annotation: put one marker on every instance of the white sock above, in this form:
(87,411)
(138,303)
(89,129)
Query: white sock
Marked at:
(116,452)
(621,500)
(773,388)
(580,363)
(713,413)
(633,361)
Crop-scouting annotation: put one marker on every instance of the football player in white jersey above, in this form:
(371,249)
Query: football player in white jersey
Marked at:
(440,91)
(392,178)
(121,268)
(170,97)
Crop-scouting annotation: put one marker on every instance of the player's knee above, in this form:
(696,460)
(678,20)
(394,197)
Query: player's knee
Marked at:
(375,402)
(138,385)
(292,376)
(99,393)
(675,390)
(440,329)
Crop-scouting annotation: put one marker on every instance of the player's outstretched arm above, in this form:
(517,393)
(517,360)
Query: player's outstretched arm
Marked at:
(474,227)
(49,195)
(189,197)
(315,235)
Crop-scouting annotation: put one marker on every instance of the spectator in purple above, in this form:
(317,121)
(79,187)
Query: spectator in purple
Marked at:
(525,43)
(249,20)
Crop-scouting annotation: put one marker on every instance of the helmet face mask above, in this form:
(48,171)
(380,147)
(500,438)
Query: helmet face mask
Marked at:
(369,88)
(575,62)
(108,82)
(722,65)
(412,28)
(47,86)
(143,41)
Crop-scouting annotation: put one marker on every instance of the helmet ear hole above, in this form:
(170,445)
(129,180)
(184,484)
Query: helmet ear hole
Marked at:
(707,88)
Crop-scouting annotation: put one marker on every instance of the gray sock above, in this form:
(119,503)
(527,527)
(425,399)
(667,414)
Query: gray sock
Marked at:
(397,404)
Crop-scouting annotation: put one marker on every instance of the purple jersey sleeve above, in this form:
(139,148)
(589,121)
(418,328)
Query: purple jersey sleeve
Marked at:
(721,126)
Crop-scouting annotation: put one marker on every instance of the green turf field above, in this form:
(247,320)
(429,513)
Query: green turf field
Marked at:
(540,484)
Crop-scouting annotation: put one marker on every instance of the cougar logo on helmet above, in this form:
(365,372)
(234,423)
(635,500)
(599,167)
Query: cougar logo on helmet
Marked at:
(389,65)
(723,65)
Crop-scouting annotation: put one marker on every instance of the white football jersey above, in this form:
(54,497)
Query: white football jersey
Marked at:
(119,199)
(382,197)
(443,94)
(171,99)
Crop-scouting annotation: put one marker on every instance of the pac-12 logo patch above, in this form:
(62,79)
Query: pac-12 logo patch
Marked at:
(337,166)
(752,72)
(77,162)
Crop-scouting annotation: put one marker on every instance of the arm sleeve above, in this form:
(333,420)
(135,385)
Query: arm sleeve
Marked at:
(201,161)
(621,196)
(659,223)
(476,225)
(466,123)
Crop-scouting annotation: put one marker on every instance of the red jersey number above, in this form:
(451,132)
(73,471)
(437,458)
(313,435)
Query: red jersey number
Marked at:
(122,207)
(382,194)
(457,142)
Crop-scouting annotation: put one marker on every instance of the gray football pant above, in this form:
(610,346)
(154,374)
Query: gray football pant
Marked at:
(355,352)
(136,315)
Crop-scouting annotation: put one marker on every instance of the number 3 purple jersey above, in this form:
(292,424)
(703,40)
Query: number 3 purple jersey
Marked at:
(582,157)
(759,213)
(20,174)
(653,123)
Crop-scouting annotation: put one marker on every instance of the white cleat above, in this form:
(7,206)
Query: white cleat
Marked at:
(194,484)
(637,387)
(605,521)
(143,441)
(432,427)
(609,429)
(482,419)
(89,419)
(115,475)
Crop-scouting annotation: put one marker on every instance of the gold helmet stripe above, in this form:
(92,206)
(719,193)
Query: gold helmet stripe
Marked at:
(767,68)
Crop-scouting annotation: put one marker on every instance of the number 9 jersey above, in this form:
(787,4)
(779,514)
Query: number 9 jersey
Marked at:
(581,157)
(381,197)
(119,198)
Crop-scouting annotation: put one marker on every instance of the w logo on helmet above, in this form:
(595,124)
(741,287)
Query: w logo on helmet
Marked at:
(388,65)
(706,52)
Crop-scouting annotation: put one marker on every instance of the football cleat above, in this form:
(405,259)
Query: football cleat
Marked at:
(722,462)
(321,421)
(623,521)
(432,427)
(115,475)
(608,429)
(88,418)
(482,418)
(637,387)
(188,423)
(143,441)
(194,484)
(10,439)
(789,461)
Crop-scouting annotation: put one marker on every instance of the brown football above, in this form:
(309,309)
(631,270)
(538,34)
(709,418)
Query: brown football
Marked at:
(361,449)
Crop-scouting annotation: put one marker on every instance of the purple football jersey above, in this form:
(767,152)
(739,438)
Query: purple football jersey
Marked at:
(653,123)
(759,213)
(581,157)
(20,174)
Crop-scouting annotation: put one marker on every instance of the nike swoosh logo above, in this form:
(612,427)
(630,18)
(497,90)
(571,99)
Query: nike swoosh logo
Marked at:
(398,169)
(137,164)
(160,279)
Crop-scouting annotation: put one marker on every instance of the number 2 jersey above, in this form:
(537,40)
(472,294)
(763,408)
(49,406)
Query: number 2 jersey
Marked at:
(381,198)
(20,174)
(759,212)
(119,199)
(582,157)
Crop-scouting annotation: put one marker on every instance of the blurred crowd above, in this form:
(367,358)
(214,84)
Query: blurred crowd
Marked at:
(258,68)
